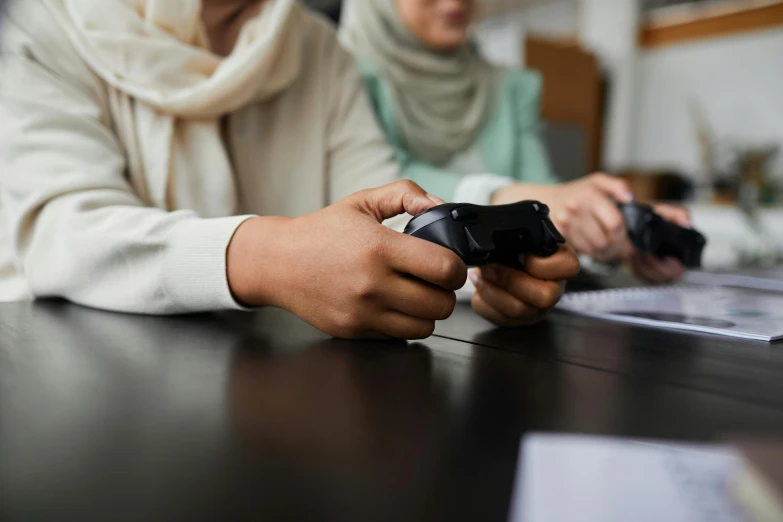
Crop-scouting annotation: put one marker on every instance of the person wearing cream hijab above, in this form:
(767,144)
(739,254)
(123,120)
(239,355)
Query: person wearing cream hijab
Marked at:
(172,156)
(469,131)
(168,90)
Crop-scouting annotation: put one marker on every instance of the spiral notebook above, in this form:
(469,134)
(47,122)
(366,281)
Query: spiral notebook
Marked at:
(743,313)
(572,478)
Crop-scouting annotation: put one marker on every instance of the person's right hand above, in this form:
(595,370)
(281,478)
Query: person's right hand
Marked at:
(583,211)
(586,213)
(343,272)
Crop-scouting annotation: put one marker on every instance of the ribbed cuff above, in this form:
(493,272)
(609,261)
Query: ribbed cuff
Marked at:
(479,188)
(194,268)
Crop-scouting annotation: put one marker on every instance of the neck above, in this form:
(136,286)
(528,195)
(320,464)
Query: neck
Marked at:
(224,20)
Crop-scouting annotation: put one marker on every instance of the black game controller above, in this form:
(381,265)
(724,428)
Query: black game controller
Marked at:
(654,235)
(495,234)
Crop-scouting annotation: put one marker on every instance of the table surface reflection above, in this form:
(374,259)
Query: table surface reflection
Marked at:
(260,417)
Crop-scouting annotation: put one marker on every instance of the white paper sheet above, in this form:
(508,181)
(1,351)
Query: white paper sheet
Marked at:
(729,311)
(570,478)
(770,279)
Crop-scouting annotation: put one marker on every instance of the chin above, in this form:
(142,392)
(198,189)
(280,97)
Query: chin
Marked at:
(451,41)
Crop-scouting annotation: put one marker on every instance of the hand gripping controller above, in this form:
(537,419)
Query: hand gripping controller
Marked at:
(483,235)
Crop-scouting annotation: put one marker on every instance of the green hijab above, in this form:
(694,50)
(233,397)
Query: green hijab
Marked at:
(442,100)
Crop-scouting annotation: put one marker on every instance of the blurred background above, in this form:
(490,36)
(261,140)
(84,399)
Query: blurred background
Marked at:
(683,98)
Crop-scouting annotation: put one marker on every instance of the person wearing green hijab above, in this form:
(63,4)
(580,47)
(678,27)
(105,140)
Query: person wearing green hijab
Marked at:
(468,131)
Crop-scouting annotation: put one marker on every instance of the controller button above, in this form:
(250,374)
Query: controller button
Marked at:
(479,240)
(463,213)
(551,234)
(541,209)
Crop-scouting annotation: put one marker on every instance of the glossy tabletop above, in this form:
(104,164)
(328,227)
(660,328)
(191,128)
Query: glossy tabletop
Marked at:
(260,417)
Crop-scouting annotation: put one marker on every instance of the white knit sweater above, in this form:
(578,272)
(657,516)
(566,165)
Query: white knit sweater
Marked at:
(77,223)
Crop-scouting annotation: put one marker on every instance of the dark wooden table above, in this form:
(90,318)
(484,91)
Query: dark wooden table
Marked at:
(260,417)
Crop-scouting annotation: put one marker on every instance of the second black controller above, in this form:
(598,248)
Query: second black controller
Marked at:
(482,235)
(652,234)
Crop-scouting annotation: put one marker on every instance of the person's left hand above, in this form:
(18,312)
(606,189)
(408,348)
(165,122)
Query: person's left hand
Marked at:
(509,297)
(661,270)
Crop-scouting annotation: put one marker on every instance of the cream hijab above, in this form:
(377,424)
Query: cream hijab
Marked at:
(441,100)
(168,90)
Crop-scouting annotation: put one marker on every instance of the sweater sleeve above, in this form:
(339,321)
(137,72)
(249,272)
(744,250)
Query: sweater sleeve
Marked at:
(359,156)
(77,228)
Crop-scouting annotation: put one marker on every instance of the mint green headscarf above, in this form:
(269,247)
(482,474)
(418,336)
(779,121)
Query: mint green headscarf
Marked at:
(442,100)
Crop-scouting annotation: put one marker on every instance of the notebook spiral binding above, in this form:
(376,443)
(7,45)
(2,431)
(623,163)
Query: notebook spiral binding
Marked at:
(630,293)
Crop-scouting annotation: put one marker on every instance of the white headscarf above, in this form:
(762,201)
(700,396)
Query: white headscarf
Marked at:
(168,90)
(442,100)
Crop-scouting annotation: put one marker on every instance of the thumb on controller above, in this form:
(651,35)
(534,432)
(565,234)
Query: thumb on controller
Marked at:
(396,198)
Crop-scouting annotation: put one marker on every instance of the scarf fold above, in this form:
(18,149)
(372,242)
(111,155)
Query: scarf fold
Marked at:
(168,91)
(441,100)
